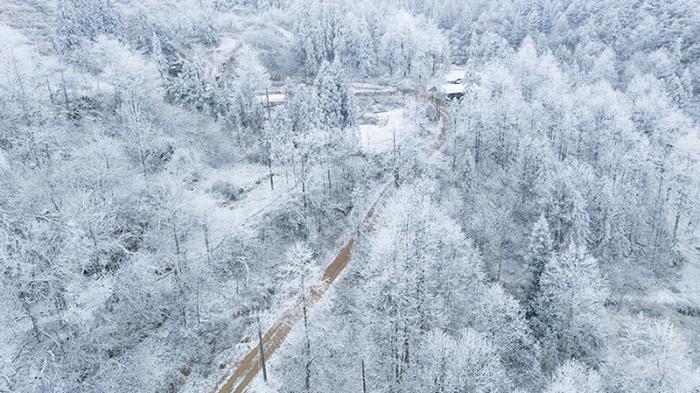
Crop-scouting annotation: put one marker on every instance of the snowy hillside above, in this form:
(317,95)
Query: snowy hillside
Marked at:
(335,196)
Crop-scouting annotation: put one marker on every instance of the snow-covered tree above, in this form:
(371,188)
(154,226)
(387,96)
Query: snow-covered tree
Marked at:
(434,277)
(193,89)
(80,20)
(360,51)
(335,100)
(574,377)
(501,318)
(649,355)
(571,317)
(538,254)
(299,113)
(412,47)
(469,362)
(316,25)
(246,111)
(158,56)
(459,37)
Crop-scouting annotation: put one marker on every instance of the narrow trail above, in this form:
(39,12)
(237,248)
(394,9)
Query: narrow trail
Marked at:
(250,365)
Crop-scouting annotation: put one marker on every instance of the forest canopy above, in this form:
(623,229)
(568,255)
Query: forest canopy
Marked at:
(412,195)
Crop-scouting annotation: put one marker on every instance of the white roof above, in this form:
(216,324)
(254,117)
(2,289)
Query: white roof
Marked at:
(452,88)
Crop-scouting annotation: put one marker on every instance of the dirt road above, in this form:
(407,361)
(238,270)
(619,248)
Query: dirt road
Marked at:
(250,365)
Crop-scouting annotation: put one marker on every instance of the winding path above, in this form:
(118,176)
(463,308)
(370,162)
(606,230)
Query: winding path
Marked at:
(239,380)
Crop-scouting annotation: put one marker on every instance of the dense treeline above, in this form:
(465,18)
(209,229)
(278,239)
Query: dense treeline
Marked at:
(564,187)
(566,166)
(116,123)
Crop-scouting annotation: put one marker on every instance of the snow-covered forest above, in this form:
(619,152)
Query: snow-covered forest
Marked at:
(375,196)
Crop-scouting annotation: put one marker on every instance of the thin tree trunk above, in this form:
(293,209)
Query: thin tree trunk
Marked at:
(48,85)
(199,319)
(262,351)
(675,228)
(269,167)
(303,193)
(328,172)
(178,274)
(307,341)
(364,378)
(206,243)
(396,166)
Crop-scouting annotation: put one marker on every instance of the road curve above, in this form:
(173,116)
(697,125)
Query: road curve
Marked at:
(249,366)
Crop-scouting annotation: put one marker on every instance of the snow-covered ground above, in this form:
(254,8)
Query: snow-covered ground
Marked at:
(456,74)
(217,58)
(363,88)
(272,98)
(379,137)
(234,198)
(256,196)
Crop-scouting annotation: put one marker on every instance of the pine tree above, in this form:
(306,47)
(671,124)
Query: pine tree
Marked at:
(501,318)
(570,307)
(335,100)
(685,95)
(246,112)
(538,253)
(157,54)
(317,30)
(579,230)
(193,90)
(460,36)
(299,113)
(365,51)
(418,273)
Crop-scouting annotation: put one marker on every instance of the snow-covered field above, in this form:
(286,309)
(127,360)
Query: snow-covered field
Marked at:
(387,130)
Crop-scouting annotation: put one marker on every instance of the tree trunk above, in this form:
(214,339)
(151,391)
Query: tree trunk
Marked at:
(269,167)
(303,193)
(206,243)
(396,165)
(261,348)
(328,172)
(307,341)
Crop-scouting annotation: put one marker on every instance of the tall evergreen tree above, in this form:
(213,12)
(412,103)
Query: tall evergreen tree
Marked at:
(192,89)
(365,53)
(460,36)
(335,100)
(246,112)
(158,56)
(570,307)
(538,253)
